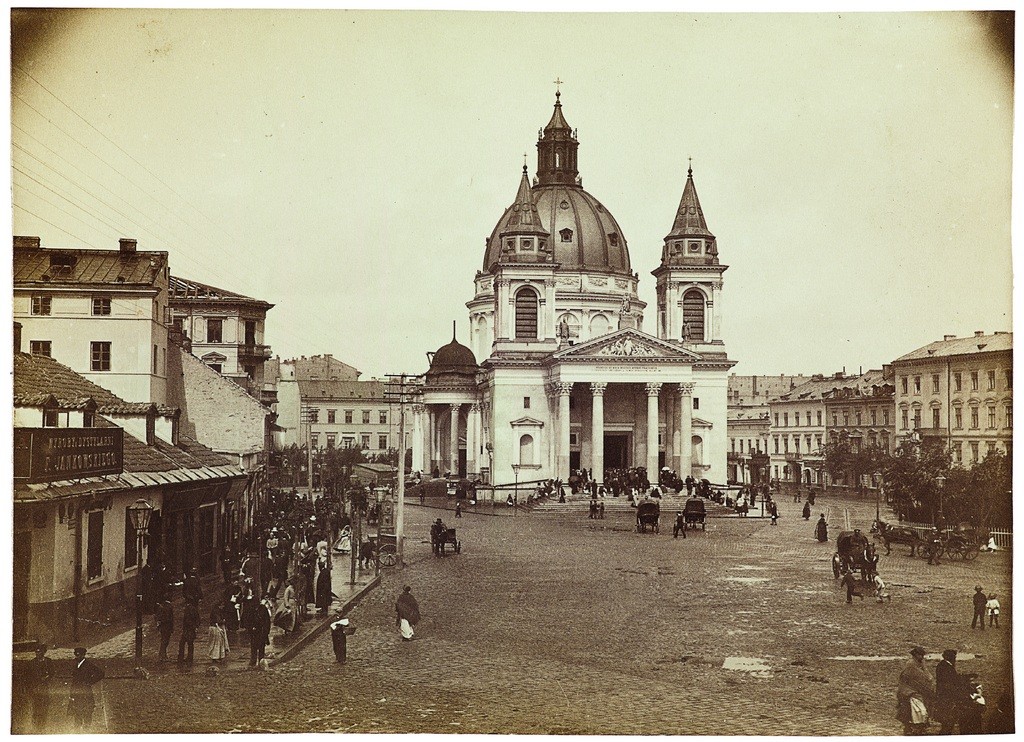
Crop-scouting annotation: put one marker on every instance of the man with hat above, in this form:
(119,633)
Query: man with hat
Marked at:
(84,675)
(980,599)
(952,692)
(340,631)
(913,694)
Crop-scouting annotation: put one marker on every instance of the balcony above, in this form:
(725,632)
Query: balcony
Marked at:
(253,352)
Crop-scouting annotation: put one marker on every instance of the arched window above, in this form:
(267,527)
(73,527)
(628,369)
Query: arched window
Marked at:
(599,325)
(572,323)
(696,450)
(693,316)
(526,314)
(526,450)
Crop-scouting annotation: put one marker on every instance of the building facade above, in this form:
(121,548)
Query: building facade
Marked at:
(226,331)
(567,378)
(864,415)
(748,424)
(958,393)
(103,313)
(82,457)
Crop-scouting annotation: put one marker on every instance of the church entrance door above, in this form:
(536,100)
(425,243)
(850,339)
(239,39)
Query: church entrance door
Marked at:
(616,450)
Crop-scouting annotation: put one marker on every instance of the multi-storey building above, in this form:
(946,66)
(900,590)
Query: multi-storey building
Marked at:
(346,414)
(797,432)
(748,423)
(958,392)
(226,331)
(102,313)
(864,414)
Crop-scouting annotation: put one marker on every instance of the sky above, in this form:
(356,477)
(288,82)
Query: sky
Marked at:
(347,166)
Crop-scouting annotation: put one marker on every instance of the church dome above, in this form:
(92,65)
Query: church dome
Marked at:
(584,234)
(453,358)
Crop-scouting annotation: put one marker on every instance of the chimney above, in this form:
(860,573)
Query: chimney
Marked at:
(26,243)
(17,336)
(979,333)
(948,337)
(840,374)
(886,370)
(128,245)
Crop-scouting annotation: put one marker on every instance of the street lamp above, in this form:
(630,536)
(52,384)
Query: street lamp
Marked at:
(515,498)
(139,513)
(940,482)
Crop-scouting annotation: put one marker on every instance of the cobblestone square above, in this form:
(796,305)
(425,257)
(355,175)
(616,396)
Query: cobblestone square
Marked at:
(561,624)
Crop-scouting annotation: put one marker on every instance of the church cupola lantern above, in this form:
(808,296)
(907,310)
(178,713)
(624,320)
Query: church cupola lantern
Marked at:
(556,151)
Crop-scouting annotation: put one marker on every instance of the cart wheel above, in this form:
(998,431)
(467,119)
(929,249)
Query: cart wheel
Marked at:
(922,551)
(971,553)
(458,547)
(388,558)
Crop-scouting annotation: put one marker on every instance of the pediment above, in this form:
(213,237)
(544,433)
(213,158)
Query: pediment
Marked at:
(214,357)
(527,422)
(626,343)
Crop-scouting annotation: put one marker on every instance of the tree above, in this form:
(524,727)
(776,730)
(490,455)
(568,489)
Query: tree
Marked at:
(980,495)
(845,458)
(910,478)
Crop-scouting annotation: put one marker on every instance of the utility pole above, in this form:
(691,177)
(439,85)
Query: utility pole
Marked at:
(306,416)
(400,388)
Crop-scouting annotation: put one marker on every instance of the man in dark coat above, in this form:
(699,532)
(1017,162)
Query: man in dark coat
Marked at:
(821,529)
(259,637)
(807,510)
(189,629)
(979,608)
(408,613)
(38,674)
(340,631)
(191,590)
(323,590)
(952,693)
(680,526)
(84,675)
(165,624)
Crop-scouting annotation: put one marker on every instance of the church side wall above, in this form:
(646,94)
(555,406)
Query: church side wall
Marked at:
(509,389)
(712,388)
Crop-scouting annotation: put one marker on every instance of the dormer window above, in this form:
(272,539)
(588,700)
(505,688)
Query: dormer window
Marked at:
(613,239)
(527,244)
(510,244)
(566,235)
(694,247)
(543,245)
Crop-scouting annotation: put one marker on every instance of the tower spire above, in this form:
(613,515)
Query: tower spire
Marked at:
(556,149)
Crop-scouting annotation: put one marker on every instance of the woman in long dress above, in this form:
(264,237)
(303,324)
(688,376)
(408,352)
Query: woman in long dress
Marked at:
(286,614)
(344,542)
(218,637)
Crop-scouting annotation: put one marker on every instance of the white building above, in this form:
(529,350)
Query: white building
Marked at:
(568,379)
(102,313)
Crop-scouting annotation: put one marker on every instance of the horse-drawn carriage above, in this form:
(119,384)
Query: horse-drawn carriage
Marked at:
(694,514)
(900,535)
(854,553)
(442,537)
(647,514)
(964,541)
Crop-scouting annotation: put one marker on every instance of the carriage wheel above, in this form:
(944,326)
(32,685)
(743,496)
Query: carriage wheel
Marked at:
(458,547)
(971,553)
(387,557)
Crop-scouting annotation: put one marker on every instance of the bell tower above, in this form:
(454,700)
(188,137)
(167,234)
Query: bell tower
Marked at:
(689,279)
(524,279)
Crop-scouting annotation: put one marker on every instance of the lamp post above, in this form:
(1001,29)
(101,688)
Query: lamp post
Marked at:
(515,497)
(140,513)
(940,482)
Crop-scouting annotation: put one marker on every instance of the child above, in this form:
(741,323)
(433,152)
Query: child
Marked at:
(880,593)
(992,606)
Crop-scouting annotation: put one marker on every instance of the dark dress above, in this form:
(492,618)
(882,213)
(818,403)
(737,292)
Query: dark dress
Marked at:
(323,590)
(821,531)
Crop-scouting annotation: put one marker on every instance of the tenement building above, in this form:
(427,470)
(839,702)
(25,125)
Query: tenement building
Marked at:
(863,414)
(567,378)
(103,313)
(748,423)
(958,392)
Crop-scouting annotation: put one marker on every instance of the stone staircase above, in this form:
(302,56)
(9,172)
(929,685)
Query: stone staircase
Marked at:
(670,503)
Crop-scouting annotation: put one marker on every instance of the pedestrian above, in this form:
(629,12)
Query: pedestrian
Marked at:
(408,613)
(600,510)
(810,497)
(192,590)
(951,692)
(324,595)
(980,601)
(934,545)
(680,525)
(340,631)
(218,637)
(914,693)
(807,510)
(81,701)
(880,594)
(458,510)
(992,606)
(773,510)
(821,530)
(165,624)
(259,636)
(38,676)
(850,581)
(189,629)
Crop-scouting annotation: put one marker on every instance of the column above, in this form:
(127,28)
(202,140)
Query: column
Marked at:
(501,321)
(716,312)
(671,460)
(597,431)
(686,429)
(453,438)
(417,438)
(563,389)
(653,390)
(473,439)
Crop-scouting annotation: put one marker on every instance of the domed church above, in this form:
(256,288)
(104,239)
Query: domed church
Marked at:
(560,374)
